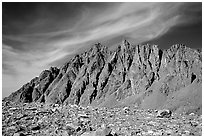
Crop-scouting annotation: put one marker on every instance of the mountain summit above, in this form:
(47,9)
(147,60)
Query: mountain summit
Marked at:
(141,75)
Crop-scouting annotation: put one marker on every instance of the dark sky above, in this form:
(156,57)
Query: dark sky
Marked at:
(190,35)
(38,35)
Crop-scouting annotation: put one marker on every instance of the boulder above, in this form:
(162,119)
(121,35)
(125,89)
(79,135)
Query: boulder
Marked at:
(104,131)
(165,113)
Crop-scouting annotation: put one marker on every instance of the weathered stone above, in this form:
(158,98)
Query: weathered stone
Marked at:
(59,123)
(35,127)
(104,131)
(89,134)
(165,113)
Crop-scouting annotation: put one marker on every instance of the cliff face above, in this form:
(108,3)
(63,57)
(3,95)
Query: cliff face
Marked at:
(141,75)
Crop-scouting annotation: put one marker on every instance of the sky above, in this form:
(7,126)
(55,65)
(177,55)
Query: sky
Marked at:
(36,36)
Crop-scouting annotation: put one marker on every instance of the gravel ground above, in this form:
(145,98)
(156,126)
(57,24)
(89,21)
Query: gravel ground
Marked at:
(37,119)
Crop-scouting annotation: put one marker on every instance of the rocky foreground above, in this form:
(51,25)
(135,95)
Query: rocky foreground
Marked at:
(36,119)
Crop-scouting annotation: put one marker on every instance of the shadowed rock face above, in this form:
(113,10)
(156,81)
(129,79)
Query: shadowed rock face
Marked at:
(99,76)
(34,89)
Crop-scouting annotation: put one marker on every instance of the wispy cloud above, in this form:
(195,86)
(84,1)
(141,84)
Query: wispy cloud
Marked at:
(45,40)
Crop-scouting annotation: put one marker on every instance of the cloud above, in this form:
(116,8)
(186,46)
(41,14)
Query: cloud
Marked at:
(51,37)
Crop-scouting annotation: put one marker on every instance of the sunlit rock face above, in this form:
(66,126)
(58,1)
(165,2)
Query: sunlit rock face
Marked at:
(142,75)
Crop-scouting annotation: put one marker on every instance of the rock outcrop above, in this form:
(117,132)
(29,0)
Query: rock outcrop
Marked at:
(33,90)
(143,75)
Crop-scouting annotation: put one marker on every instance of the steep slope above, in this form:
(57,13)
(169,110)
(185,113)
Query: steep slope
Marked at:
(33,90)
(142,75)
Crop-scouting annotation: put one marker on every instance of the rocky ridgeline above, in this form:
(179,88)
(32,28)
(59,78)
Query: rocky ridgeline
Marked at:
(112,93)
(142,75)
(37,119)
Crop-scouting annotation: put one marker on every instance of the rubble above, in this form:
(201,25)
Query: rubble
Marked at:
(38,120)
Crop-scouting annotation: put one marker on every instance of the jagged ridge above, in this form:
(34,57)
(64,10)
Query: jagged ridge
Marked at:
(130,74)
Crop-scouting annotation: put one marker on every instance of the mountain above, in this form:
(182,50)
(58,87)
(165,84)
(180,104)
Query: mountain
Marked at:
(141,75)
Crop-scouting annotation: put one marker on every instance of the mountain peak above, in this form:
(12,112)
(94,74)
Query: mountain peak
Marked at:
(99,77)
